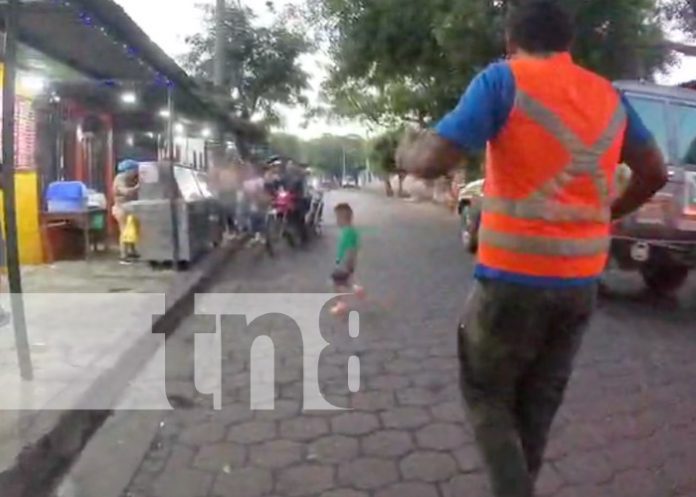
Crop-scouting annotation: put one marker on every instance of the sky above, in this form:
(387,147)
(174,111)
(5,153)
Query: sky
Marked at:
(182,19)
(169,22)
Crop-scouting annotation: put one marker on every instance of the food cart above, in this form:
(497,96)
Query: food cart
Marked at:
(182,197)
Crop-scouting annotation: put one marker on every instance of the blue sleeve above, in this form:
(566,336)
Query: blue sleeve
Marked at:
(482,111)
(637,133)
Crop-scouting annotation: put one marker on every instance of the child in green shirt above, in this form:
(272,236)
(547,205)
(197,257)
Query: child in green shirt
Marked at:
(346,257)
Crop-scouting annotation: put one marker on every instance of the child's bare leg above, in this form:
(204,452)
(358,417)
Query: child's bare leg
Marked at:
(341,305)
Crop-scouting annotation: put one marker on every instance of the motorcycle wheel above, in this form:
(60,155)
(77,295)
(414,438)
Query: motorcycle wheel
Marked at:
(274,230)
(469,239)
(290,233)
(270,237)
(270,248)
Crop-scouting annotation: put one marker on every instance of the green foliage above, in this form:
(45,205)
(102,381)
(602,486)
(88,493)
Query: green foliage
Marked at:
(325,153)
(262,64)
(410,60)
(288,146)
(683,12)
(383,151)
(621,39)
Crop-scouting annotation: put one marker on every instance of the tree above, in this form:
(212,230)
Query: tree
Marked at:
(410,60)
(288,146)
(330,153)
(383,156)
(327,153)
(262,64)
(683,12)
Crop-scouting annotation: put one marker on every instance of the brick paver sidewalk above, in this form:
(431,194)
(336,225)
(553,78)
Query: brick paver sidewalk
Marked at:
(628,428)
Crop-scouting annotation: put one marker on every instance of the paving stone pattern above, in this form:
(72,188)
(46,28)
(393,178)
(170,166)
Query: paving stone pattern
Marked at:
(627,429)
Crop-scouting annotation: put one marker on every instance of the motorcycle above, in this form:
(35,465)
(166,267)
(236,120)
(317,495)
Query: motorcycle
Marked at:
(285,219)
(282,221)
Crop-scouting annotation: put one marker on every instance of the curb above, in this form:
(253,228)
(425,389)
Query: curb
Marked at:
(41,464)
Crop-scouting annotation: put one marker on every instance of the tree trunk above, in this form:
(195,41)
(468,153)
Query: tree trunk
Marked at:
(242,147)
(388,186)
(400,192)
(431,188)
(683,48)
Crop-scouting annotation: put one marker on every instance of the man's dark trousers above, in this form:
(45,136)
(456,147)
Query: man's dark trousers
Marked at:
(516,349)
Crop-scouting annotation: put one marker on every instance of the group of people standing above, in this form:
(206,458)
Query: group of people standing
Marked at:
(240,188)
(246,191)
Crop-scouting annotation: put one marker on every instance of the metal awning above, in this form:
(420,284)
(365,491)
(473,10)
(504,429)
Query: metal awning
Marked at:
(98,39)
(79,40)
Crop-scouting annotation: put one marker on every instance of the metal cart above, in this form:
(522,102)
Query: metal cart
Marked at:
(196,211)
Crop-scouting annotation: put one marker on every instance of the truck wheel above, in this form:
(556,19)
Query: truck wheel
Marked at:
(469,239)
(464,224)
(665,279)
(474,226)
(472,246)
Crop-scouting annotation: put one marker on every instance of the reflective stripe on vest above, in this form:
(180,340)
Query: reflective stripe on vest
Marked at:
(584,161)
(540,204)
(542,245)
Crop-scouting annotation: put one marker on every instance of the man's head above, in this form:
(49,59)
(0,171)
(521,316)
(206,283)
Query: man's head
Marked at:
(539,27)
(344,215)
(129,168)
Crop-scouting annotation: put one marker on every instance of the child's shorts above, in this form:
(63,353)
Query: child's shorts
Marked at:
(341,277)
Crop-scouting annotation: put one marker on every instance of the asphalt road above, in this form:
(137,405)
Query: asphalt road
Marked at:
(628,427)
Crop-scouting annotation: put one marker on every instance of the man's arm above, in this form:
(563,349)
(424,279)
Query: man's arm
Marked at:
(478,118)
(642,155)
(649,175)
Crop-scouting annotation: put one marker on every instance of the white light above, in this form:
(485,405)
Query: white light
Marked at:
(164,113)
(179,128)
(206,133)
(129,98)
(130,140)
(150,134)
(32,83)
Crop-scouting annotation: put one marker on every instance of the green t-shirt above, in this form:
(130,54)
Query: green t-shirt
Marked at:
(349,239)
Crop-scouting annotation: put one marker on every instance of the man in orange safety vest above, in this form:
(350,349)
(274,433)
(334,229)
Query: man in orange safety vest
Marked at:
(555,134)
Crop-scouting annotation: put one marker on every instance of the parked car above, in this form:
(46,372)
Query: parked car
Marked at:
(469,209)
(660,239)
(349,182)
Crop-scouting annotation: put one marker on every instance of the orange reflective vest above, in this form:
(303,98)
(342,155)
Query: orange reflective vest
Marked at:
(549,175)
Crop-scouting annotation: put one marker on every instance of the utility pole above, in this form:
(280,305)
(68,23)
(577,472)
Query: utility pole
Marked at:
(219,67)
(343,148)
(14,274)
(173,186)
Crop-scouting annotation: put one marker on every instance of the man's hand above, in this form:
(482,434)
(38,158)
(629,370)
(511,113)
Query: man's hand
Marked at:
(403,151)
(426,155)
